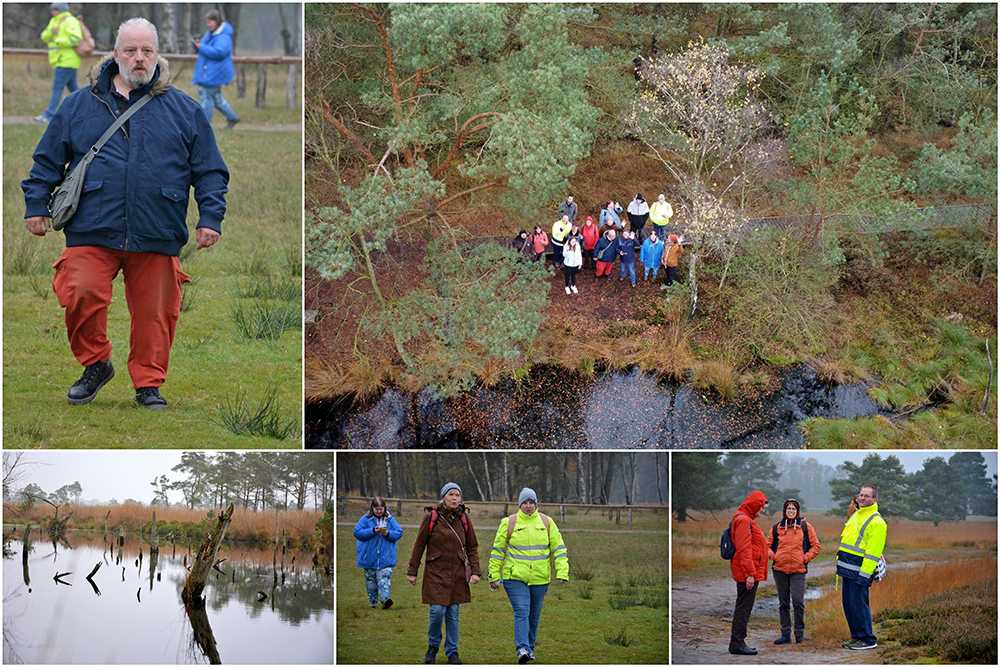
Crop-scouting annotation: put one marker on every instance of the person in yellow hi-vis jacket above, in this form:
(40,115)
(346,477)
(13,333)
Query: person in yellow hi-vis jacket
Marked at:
(520,561)
(62,35)
(861,546)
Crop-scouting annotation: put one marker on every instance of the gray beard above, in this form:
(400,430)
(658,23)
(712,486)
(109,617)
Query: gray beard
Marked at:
(136,80)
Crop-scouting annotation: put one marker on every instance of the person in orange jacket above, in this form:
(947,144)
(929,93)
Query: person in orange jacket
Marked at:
(749,567)
(793,545)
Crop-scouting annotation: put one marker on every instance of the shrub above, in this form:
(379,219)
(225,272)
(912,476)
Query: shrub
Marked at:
(619,638)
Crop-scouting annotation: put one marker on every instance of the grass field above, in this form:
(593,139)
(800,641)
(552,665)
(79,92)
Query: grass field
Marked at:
(613,610)
(235,374)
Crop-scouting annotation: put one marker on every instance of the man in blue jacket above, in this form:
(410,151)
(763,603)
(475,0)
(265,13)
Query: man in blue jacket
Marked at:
(214,67)
(377,533)
(132,211)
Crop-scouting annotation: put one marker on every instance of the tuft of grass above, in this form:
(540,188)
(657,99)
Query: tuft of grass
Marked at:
(32,432)
(585,589)
(623,602)
(619,638)
(367,377)
(715,377)
(261,319)
(238,416)
(581,573)
(188,295)
(842,370)
(265,286)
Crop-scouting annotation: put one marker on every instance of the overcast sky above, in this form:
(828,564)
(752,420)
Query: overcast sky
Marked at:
(912,460)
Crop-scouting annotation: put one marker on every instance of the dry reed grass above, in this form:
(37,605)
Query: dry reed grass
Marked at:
(716,377)
(298,525)
(838,371)
(324,380)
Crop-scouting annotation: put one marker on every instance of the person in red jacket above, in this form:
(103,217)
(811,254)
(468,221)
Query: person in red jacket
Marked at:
(793,545)
(749,567)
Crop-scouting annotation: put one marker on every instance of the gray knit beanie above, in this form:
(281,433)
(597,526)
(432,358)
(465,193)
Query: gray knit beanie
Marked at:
(60,6)
(527,494)
(448,487)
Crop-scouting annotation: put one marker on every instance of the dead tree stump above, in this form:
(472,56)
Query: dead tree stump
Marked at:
(203,561)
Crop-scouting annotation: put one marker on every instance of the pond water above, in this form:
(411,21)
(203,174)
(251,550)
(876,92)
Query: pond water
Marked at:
(555,408)
(128,616)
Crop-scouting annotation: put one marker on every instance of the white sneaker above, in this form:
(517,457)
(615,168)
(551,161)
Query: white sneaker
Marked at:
(567,290)
(40,119)
(575,290)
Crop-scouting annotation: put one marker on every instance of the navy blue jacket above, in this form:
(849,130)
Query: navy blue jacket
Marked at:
(626,251)
(135,195)
(605,250)
(376,550)
(214,66)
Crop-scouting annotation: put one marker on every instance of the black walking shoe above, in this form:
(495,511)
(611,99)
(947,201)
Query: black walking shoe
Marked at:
(431,654)
(230,124)
(743,650)
(150,398)
(386,603)
(801,638)
(783,639)
(523,656)
(94,377)
(453,659)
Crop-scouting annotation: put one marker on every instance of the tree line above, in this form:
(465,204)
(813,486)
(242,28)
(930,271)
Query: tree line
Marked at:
(943,490)
(572,477)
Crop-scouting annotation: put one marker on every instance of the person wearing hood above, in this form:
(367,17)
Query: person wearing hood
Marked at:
(377,533)
(861,546)
(524,545)
(638,214)
(214,67)
(793,545)
(650,254)
(62,35)
(132,213)
(748,566)
(590,236)
(452,564)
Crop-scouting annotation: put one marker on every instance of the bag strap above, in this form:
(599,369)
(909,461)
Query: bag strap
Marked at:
(465,556)
(119,122)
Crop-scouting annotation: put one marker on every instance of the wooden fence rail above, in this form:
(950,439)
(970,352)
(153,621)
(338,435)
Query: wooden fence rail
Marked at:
(614,511)
(294,64)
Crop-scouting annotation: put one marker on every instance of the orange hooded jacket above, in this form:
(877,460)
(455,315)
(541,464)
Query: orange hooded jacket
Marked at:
(789,557)
(751,547)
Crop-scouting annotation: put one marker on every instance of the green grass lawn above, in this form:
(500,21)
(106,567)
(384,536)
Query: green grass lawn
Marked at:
(613,610)
(238,341)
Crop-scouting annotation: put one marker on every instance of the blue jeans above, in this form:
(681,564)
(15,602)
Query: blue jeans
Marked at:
(655,269)
(64,77)
(449,614)
(211,97)
(857,610)
(378,582)
(527,603)
(630,267)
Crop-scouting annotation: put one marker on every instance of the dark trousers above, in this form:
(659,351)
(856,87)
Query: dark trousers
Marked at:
(571,272)
(741,614)
(671,273)
(557,253)
(791,588)
(857,610)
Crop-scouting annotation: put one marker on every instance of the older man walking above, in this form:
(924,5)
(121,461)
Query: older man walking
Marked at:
(132,211)
(861,546)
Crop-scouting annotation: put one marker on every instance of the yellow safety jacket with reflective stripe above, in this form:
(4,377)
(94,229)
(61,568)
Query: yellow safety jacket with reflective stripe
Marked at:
(68,35)
(861,543)
(531,546)
(561,231)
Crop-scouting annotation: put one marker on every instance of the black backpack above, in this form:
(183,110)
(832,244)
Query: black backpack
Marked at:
(806,545)
(726,547)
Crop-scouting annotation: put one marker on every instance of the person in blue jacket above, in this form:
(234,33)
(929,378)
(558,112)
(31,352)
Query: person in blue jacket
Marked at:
(214,67)
(377,533)
(651,255)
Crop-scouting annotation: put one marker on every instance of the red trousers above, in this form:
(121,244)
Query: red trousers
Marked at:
(152,291)
(603,268)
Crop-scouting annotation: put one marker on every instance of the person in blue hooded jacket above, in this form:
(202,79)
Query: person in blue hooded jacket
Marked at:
(214,67)
(377,533)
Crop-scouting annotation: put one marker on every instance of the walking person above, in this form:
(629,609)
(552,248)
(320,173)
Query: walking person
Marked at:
(572,261)
(520,561)
(671,257)
(590,236)
(132,214)
(659,214)
(651,254)
(452,564)
(793,545)
(861,545)
(62,35)
(748,566)
(214,67)
(605,253)
(626,254)
(638,214)
(377,533)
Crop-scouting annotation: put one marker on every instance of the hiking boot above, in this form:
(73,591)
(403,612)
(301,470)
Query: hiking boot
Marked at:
(861,646)
(386,603)
(230,124)
(743,650)
(453,659)
(150,398)
(783,639)
(523,656)
(94,377)
(431,654)
(40,119)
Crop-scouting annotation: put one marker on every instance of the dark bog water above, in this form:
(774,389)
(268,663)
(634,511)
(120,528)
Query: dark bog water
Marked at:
(127,618)
(558,409)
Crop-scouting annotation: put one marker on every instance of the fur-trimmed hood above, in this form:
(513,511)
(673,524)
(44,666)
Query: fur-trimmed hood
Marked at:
(161,79)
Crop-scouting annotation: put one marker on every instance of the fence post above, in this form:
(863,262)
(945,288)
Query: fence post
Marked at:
(618,516)
(399,508)
(261,85)
(241,81)
(630,516)
(291,99)
(343,506)
(505,510)
(562,514)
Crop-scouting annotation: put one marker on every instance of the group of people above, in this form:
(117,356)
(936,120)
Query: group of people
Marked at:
(597,246)
(791,545)
(526,547)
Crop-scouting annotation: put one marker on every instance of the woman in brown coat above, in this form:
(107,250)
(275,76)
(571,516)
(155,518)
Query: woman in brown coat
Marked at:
(452,552)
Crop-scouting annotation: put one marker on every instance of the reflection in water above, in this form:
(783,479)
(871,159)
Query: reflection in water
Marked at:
(135,613)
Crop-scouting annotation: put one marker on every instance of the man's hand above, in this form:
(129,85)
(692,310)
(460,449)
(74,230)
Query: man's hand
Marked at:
(206,237)
(750,582)
(38,225)
(412,579)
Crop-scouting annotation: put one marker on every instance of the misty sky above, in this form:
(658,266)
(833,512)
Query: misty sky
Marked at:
(912,460)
